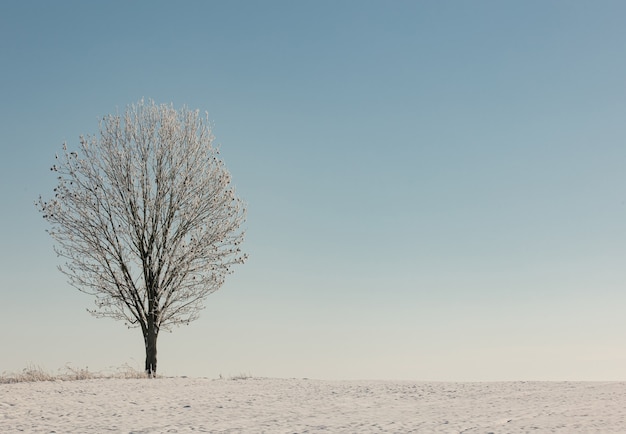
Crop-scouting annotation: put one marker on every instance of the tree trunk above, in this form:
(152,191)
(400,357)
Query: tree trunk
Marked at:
(150,338)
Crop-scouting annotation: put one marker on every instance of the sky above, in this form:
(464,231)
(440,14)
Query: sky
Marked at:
(435,190)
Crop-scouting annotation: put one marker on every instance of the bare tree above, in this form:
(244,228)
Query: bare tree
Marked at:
(147,219)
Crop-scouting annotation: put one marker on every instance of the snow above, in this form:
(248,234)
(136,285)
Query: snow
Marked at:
(256,405)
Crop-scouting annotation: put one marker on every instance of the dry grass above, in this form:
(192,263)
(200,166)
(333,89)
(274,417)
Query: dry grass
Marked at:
(33,373)
(242,376)
(29,374)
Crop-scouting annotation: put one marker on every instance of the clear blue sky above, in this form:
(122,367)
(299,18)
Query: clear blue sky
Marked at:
(436,190)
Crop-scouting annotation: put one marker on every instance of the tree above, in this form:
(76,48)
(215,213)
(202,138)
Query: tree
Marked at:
(147,219)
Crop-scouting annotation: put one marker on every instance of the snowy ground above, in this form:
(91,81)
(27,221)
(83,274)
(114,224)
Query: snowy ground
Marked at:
(310,406)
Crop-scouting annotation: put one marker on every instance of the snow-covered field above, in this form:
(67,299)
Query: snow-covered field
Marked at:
(253,405)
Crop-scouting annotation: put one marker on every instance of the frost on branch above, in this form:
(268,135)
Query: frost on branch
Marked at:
(145,216)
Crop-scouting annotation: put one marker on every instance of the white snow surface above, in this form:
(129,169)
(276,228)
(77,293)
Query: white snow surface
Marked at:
(261,405)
